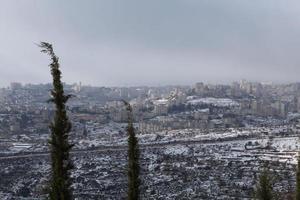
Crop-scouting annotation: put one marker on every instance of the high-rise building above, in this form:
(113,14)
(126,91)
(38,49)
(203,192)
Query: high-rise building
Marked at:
(15,85)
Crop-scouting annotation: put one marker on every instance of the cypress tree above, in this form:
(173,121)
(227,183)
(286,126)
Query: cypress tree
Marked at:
(298,179)
(133,158)
(264,190)
(60,182)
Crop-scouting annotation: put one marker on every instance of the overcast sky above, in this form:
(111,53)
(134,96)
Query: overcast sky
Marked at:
(151,42)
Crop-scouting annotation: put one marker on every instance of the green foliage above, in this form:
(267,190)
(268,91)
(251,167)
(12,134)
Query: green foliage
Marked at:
(60,183)
(298,180)
(264,190)
(133,158)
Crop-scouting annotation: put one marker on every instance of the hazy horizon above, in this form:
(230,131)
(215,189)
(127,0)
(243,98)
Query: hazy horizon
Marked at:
(158,85)
(153,43)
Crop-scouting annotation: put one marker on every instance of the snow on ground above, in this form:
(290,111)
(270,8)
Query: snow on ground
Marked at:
(219,102)
(177,150)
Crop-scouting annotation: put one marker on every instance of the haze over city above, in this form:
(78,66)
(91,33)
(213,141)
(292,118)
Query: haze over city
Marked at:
(127,43)
(149,100)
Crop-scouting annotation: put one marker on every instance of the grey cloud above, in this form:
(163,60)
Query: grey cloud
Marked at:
(154,42)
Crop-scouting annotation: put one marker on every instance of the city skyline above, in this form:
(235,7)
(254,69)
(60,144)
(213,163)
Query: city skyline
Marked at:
(172,99)
(242,81)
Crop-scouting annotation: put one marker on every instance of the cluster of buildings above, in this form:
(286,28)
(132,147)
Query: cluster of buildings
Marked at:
(24,109)
(203,141)
(177,170)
